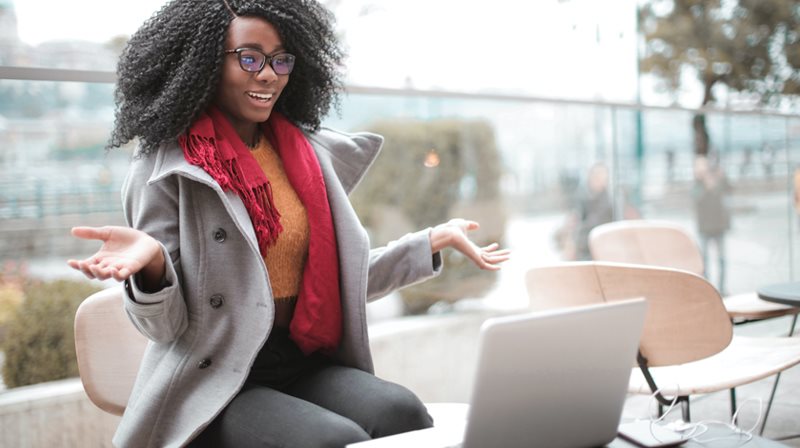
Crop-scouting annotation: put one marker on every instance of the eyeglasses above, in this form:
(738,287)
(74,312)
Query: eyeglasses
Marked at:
(253,60)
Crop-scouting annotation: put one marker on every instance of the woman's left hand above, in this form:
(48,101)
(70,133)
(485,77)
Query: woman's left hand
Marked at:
(453,234)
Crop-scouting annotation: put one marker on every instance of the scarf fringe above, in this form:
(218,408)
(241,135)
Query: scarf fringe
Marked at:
(258,200)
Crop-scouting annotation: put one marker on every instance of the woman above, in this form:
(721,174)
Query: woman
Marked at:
(244,263)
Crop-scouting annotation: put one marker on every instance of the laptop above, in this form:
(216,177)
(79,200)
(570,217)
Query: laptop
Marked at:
(547,379)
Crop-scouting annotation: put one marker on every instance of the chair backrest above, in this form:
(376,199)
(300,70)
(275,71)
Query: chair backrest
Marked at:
(686,320)
(109,350)
(649,242)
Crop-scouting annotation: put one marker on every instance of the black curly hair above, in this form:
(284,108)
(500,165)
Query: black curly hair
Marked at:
(169,70)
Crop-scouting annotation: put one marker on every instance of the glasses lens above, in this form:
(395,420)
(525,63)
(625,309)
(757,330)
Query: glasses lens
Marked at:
(282,63)
(251,61)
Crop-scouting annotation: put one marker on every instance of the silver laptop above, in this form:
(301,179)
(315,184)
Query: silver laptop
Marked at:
(549,379)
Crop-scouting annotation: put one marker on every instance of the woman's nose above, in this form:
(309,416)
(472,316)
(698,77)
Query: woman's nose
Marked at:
(267,74)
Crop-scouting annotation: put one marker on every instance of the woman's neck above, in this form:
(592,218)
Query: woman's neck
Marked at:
(250,136)
(249,132)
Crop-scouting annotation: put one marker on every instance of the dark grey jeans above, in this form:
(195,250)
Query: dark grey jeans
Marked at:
(293,401)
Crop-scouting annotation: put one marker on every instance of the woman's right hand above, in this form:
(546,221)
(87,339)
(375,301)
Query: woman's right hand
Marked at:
(124,252)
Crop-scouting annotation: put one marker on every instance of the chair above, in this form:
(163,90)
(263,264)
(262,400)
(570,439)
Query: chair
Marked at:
(109,350)
(660,243)
(687,346)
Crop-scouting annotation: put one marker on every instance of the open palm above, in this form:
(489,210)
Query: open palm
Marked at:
(453,234)
(124,252)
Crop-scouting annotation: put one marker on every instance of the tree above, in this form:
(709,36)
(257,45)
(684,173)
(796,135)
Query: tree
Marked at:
(749,46)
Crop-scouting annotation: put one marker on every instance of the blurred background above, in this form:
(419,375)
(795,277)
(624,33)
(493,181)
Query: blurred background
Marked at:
(538,119)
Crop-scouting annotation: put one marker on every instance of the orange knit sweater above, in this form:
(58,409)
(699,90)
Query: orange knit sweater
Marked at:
(285,259)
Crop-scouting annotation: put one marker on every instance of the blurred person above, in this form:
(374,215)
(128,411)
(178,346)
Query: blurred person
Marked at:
(669,154)
(244,263)
(594,207)
(713,217)
(747,161)
(767,159)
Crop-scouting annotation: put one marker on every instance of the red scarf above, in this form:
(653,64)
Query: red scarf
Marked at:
(213,145)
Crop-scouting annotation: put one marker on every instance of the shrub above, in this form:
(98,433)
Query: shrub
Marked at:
(11,297)
(427,173)
(40,345)
(12,276)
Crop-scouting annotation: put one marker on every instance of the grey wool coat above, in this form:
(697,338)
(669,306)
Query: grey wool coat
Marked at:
(216,309)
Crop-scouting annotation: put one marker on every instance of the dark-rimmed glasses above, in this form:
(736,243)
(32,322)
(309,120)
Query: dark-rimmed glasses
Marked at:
(253,60)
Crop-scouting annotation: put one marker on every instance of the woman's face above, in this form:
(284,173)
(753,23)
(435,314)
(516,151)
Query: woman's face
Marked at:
(247,98)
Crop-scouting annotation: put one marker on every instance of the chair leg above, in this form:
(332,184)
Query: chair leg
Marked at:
(685,409)
(733,404)
(769,403)
(775,385)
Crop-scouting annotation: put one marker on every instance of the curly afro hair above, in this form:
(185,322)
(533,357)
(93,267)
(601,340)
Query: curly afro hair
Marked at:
(169,70)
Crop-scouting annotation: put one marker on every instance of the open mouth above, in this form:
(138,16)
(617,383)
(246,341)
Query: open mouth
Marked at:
(260,97)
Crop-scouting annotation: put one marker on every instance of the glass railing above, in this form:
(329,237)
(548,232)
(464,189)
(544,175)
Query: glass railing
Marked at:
(548,147)
(54,171)
(519,165)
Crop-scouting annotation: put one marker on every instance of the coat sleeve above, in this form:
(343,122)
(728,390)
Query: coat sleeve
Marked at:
(153,208)
(401,263)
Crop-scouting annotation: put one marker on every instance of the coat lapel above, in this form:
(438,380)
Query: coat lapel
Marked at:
(344,159)
(171,161)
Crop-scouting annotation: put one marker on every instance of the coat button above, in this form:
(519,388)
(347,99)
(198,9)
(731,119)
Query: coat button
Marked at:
(220,235)
(216,300)
(204,363)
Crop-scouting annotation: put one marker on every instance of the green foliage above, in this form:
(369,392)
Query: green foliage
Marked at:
(39,344)
(10,298)
(12,277)
(748,45)
(427,173)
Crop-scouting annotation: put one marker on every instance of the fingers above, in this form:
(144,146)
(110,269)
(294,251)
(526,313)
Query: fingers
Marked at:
(95,268)
(499,253)
(496,258)
(489,267)
(472,225)
(491,252)
(83,266)
(104,272)
(491,258)
(75,264)
(90,233)
(464,224)
(490,247)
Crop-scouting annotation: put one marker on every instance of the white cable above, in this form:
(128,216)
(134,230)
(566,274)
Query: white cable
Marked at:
(680,426)
(758,419)
(744,437)
(738,432)
(669,408)
(664,414)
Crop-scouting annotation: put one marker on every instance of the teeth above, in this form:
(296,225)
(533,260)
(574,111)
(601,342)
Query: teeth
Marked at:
(260,96)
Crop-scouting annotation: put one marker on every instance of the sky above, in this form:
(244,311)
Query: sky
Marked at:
(514,46)
(92,20)
(564,48)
